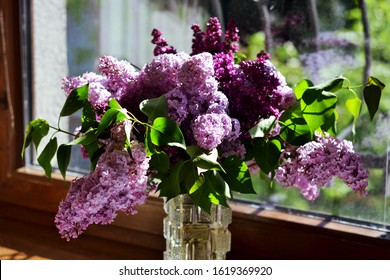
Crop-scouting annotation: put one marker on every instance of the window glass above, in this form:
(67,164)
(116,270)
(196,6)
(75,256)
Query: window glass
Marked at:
(310,39)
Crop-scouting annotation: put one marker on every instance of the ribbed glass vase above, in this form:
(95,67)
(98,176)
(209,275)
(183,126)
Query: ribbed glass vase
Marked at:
(193,234)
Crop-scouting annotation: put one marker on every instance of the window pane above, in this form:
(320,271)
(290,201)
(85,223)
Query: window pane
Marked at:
(310,39)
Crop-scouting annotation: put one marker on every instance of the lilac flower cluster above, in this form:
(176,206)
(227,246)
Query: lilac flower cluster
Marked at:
(118,183)
(255,88)
(161,44)
(116,79)
(196,103)
(314,164)
(212,40)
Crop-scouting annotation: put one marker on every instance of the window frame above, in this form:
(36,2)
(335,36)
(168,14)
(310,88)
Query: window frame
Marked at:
(29,200)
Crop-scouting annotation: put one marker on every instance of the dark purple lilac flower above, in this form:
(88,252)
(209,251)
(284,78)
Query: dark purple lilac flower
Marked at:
(212,39)
(161,44)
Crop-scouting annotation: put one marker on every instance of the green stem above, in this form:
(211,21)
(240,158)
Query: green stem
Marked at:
(63,131)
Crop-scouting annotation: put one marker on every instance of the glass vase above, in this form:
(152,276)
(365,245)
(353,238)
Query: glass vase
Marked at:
(193,234)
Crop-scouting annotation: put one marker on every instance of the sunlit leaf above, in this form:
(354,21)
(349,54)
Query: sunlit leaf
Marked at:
(154,107)
(354,106)
(207,160)
(35,131)
(85,139)
(263,128)
(107,119)
(75,101)
(317,106)
(166,132)
(331,86)
(210,188)
(237,175)
(300,88)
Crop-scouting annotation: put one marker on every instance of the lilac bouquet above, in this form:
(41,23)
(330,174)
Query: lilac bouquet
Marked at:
(197,124)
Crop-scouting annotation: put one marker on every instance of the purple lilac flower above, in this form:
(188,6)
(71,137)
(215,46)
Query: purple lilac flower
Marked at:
(231,38)
(177,105)
(198,44)
(212,40)
(316,163)
(232,148)
(197,103)
(210,129)
(160,75)
(98,95)
(118,183)
(161,44)
(120,75)
(255,89)
(213,37)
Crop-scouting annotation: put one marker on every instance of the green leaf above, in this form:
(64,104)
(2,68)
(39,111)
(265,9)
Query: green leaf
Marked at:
(63,158)
(166,132)
(88,117)
(330,124)
(294,128)
(211,189)
(35,131)
(375,81)
(188,176)
(263,128)
(150,148)
(267,153)
(354,106)
(75,101)
(239,56)
(107,119)
(317,106)
(170,185)
(114,104)
(47,155)
(94,153)
(154,107)
(372,95)
(237,175)
(207,160)
(331,86)
(300,88)
(160,161)
(85,139)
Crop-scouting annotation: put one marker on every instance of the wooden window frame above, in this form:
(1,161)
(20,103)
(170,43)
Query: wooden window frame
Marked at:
(28,202)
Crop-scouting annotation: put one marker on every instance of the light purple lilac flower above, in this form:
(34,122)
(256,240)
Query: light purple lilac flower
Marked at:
(160,75)
(98,95)
(314,164)
(120,75)
(118,183)
(210,129)
(196,102)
